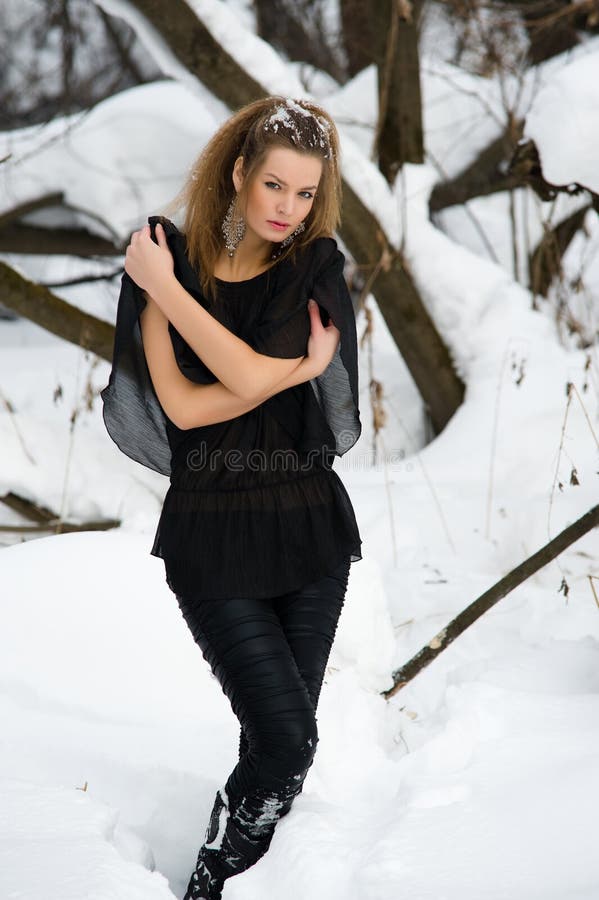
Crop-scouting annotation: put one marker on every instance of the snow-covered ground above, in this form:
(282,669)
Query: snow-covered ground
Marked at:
(476,781)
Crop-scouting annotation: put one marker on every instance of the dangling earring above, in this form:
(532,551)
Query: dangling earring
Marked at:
(233,228)
(290,237)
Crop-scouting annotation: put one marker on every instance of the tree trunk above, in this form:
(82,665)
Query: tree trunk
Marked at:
(198,51)
(399,130)
(358,34)
(425,354)
(549,31)
(280,23)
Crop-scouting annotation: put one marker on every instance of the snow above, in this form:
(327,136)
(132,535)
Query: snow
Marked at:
(285,117)
(126,156)
(477,779)
(79,836)
(253,54)
(570,96)
(103,684)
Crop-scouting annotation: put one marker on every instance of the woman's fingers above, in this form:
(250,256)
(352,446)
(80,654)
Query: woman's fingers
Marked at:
(160,235)
(143,232)
(314,311)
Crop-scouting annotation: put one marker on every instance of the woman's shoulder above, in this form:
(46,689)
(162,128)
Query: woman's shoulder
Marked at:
(320,253)
(324,248)
(309,261)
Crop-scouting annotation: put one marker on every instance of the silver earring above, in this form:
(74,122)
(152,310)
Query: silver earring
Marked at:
(233,228)
(288,240)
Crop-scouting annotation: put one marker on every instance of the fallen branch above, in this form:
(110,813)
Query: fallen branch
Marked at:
(468,616)
(545,261)
(41,306)
(525,165)
(46,520)
(57,526)
(28,206)
(485,175)
(18,238)
(27,508)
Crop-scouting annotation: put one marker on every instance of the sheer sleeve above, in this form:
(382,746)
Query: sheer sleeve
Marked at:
(131,410)
(132,414)
(336,390)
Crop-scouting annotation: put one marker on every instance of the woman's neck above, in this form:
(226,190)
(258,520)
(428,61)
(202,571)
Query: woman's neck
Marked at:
(249,259)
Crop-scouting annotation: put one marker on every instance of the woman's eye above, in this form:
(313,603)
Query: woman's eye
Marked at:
(307,195)
(272,184)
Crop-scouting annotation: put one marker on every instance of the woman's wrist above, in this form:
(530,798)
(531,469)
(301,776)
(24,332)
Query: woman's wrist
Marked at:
(306,370)
(303,372)
(161,286)
(153,311)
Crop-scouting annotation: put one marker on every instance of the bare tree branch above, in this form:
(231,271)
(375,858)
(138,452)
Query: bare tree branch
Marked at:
(123,51)
(486,601)
(525,164)
(485,175)
(46,520)
(16,238)
(44,308)
(27,508)
(546,260)
(194,46)
(29,206)
(84,279)
(285,24)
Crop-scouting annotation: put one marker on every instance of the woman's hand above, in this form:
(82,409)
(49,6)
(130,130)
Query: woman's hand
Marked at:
(323,340)
(147,263)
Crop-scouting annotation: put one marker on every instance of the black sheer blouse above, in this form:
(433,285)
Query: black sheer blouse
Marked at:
(254,507)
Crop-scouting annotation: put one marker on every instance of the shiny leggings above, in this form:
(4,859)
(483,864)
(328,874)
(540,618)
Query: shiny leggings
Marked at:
(269,656)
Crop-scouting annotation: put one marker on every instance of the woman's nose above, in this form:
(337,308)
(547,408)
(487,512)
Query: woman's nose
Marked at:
(285,205)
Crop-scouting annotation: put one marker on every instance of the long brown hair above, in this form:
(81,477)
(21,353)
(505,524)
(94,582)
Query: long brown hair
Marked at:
(251,133)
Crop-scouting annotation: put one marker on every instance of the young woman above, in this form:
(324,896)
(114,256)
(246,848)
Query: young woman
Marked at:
(235,373)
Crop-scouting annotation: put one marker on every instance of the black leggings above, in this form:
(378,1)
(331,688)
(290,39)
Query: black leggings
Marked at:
(269,656)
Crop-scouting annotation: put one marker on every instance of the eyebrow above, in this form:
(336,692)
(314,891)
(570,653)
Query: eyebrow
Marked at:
(312,187)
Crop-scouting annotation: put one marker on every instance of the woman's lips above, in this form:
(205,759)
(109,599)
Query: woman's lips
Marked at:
(278,226)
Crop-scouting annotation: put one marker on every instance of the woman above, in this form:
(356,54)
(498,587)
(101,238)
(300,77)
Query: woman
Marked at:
(228,380)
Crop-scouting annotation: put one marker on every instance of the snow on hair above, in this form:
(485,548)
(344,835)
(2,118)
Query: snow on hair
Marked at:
(285,118)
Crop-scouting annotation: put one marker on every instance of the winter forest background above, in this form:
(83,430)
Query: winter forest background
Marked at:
(471,191)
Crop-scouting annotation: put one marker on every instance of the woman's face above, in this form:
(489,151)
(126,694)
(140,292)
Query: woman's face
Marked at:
(281,192)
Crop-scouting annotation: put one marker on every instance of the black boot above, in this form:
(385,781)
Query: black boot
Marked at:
(203,885)
(227,850)
(207,882)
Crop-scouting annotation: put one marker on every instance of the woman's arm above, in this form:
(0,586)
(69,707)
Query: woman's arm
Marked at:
(210,403)
(245,372)
(189,405)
